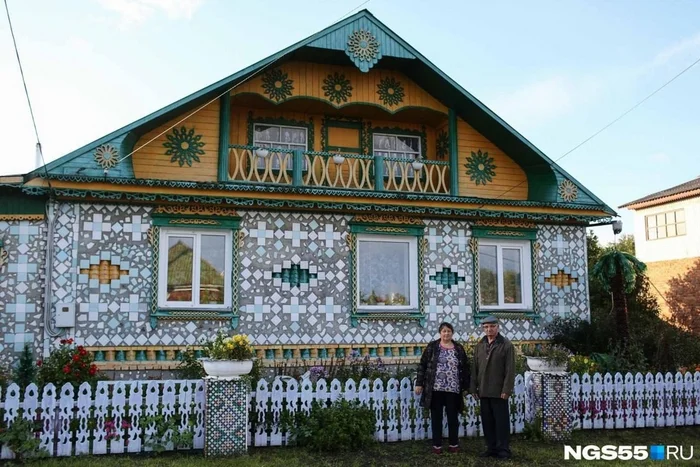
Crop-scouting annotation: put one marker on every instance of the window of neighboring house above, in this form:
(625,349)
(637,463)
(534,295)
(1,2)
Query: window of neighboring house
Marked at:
(280,137)
(387,273)
(666,224)
(397,146)
(195,269)
(505,278)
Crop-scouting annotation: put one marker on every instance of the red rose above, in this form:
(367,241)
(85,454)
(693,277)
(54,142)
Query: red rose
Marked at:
(76,357)
(63,341)
(93,370)
(39,363)
(66,369)
(82,350)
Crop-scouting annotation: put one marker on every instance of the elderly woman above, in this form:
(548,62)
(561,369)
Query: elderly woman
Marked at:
(443,374)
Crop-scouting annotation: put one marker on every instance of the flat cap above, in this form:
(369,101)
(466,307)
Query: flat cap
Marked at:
(489,320)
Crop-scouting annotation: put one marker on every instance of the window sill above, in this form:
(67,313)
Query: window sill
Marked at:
(405,315)
(192,314)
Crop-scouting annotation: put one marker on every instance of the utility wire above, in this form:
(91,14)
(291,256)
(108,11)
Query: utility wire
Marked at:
(252,75)
(608,125)
(26,93)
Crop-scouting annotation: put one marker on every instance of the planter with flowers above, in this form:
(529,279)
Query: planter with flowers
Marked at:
(546,357)
(228,357)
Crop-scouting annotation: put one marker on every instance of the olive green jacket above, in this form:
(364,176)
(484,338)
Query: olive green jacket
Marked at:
(494,375)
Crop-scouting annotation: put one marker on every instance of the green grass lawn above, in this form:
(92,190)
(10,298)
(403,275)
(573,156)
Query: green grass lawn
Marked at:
(416,453)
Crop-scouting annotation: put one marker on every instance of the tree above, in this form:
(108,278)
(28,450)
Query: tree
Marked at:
(617,272)
(683,299)
(626,244)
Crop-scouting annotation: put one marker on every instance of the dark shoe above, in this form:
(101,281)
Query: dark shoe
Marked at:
(453,449)
(437,449)
(487,454)
(503,455)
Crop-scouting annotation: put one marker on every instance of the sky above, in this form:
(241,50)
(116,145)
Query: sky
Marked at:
(557,71)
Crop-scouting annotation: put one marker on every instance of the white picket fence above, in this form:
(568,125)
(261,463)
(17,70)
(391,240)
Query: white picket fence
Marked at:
(635,401)
(111,420)
(107,421)
(399,416)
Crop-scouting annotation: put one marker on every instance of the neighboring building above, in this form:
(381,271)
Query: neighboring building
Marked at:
(667,232)
(343,194)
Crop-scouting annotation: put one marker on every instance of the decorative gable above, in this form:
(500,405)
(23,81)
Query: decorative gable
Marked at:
(364,41)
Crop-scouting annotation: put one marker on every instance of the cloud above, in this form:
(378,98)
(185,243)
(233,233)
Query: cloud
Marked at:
(134,12)
(680,48)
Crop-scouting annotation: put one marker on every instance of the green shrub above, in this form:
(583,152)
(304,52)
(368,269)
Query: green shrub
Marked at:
(25,372)
(344,426)
(22,440)
(68,364)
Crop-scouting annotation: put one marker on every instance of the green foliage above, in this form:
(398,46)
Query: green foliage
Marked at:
(613,262)
(167,433)
(21,438)
(190,367)
(26,370)
(223,347)
(664,346)
(533,430)
(68,364)
(556,354)
(581,364)
(344,426)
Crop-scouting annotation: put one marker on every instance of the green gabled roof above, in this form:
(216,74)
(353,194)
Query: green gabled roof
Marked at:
(543,174)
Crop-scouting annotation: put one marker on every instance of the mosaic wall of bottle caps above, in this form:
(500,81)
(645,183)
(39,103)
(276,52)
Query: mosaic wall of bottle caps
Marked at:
(103,264)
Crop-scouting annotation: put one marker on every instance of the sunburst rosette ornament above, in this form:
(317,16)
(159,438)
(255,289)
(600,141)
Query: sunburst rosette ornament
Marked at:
(184,146)
(568,191)
(106,156)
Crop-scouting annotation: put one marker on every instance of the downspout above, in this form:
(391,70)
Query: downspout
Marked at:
(49,329)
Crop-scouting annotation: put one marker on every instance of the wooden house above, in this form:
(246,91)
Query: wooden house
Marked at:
(342,194)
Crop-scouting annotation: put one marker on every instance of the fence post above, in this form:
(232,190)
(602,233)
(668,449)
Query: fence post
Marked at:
(378,173)
(549,393)
(225,416)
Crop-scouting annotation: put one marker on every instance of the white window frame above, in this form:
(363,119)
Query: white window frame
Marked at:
(412,275)
(163,268)
(525,276)
(280,145)
(393,153)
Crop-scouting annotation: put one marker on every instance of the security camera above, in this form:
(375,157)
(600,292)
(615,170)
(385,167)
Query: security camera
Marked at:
(617,227)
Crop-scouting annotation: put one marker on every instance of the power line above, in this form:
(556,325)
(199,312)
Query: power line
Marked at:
(608,125)
(248,78)
(26,93)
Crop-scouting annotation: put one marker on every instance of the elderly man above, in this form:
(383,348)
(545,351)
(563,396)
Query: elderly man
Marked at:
(493,378)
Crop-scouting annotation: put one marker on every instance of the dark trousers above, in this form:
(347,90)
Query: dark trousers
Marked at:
(495,419)
(450,402)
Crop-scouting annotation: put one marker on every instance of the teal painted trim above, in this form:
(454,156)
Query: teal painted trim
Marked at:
(333,106)
(191,315)
(504,233)
(330,206)
(209,222)
(379,173)
(387,229)
(454,153)
(224,135)
(14,201)
(297,164)
(341,122)
(157,313)
(411,315)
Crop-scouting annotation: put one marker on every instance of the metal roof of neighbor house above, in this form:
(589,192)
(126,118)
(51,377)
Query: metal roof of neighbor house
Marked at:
(682,191)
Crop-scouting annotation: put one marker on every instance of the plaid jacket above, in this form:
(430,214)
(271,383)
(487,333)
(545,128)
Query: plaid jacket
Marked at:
(428,367)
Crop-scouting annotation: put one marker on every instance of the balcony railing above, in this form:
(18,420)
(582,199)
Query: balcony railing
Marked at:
(249,164)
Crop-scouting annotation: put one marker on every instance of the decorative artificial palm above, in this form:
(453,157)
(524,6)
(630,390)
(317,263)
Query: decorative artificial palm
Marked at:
(617,272)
